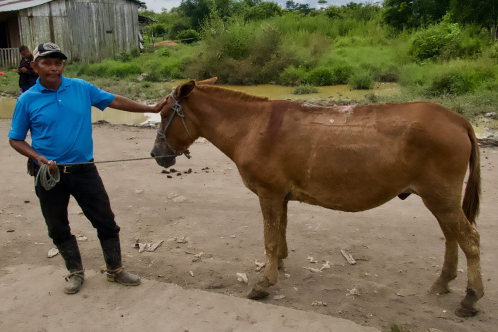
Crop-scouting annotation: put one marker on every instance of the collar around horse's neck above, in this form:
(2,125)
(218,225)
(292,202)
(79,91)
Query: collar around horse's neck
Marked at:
(177,109)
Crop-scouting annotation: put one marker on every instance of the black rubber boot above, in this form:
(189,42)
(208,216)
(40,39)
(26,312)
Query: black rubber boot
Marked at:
(70,252)
(115,271)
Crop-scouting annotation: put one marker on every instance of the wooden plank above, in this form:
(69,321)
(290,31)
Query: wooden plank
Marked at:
(348,257)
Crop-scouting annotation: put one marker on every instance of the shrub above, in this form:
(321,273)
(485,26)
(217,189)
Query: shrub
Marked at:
(124,57)
(292,76)
(361,80)
(320,77)
(304,89)
(458,81)
(163,52)
(188,36)
(135,53)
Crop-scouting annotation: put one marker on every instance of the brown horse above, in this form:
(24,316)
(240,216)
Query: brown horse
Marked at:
(342,158)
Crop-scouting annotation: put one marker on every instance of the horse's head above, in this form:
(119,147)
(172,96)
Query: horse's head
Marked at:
(177,130)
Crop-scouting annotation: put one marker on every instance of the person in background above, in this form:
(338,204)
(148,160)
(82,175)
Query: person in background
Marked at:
(27,76)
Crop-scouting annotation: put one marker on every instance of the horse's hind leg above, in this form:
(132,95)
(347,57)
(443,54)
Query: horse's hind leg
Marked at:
(450,265)
(282,250)
(456,226)
(271,208)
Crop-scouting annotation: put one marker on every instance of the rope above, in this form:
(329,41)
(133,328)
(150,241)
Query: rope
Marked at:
(48,181)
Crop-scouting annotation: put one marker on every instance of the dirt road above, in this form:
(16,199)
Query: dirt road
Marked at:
(398,247)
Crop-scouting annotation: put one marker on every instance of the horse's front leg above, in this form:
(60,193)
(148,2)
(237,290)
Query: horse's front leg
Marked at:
(271,208)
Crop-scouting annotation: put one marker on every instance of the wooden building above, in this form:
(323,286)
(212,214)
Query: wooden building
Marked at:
(86,30)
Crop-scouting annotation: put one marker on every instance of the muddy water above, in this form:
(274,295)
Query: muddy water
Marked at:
(274,92)
(485,127)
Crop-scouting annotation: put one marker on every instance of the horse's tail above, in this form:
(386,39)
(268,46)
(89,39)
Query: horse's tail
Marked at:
(470,204)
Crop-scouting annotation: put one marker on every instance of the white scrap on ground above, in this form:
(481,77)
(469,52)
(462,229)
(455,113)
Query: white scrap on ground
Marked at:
(259,266)
(82,238)
(191,273)
(242,277)
(319,303)
(179,199)
(312,260)
(325,266)
(52,252)
(278,297)
(312,269)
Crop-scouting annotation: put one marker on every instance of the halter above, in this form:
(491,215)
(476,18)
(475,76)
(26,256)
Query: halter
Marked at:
(177,109)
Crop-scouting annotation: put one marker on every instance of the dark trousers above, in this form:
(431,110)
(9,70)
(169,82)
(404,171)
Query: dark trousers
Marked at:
(85,185)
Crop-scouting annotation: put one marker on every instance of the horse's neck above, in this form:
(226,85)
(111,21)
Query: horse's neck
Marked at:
(225,122)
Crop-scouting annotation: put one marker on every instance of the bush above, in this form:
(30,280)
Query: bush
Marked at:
(163,52)
(459,81)
(188,36)
(109,68)
(320,77)
(304,89)
(361,80)
(292,76)
(124,57)
(135,53)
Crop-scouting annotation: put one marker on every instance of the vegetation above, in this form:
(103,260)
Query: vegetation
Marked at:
(444,51)
(305,89)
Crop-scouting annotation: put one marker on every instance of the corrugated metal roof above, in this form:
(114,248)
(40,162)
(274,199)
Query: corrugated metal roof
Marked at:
(10,5)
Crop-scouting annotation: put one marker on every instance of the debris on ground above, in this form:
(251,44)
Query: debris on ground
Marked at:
(81,238)
(348,257)
(259,266)
(155,245)
(202,255)
(11,230)
(325,266)
(191,273)
(287,276)
(52,252)
(279,297)
(26,202)
(242,277)
(179,199)
(319,303)
(312,260)
(183,239)
(132,137)
(353,291)
(398,294)
(138,191)
(80,212)
(312,269)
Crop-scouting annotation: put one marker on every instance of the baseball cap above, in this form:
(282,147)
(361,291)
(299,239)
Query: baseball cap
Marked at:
(46,49)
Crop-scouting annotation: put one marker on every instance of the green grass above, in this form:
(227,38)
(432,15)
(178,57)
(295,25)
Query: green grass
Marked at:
(304,89)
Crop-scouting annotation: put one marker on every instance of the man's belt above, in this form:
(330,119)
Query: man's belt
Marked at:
(71,169)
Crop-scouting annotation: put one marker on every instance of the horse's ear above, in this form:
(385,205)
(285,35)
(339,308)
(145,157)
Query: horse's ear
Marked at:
(184,90)
(209,81)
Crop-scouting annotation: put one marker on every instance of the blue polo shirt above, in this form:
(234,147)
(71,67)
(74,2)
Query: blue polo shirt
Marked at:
(60,121)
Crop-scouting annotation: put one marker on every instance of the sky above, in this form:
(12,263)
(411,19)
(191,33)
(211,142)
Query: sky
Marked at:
(156,5)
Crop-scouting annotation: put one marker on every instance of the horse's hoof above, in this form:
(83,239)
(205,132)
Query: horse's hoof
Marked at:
(257,294)
(437,288)
(280,264)
(465,311)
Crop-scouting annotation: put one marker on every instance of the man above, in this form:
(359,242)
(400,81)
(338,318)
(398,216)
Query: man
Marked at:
(57,111)
(27,76)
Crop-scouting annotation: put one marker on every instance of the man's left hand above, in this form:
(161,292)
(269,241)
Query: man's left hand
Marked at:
(159,106)
(23,70)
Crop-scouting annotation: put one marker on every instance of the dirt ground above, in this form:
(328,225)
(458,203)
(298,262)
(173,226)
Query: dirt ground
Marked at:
(398,247)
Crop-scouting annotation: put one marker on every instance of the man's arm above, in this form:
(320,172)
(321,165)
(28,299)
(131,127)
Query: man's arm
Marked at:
(26,150)
(128,105)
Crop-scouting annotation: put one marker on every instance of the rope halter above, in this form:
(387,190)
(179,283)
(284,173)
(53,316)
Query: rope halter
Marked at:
(177,109)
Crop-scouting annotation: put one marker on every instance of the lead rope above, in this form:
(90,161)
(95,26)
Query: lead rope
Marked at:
(48,181)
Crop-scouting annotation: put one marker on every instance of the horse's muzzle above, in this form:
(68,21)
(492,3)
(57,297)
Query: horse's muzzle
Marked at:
(164,161)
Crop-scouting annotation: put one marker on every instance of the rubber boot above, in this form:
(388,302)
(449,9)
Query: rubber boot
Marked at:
(70,252)
(115,271)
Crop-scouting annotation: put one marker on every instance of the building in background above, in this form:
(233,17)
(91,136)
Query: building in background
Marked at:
(86,30)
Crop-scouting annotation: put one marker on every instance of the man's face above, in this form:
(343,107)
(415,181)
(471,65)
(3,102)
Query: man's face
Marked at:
(25,53)
(49,69)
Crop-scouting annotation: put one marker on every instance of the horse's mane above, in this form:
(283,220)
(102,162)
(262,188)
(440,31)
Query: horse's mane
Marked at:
(227,93)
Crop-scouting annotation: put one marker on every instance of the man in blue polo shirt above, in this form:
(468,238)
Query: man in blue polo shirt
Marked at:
(57,111)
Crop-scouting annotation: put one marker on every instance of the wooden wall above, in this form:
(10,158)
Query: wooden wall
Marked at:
(86,30)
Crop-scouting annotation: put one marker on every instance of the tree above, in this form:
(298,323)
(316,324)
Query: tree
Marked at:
(196,10)
(480,12)
(403,14)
